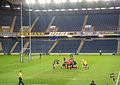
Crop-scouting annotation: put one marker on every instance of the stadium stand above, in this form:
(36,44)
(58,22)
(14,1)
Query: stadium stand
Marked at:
(41,45)
(1,48)
(7,45)
(100,22)
(37,46)
(106,46)
(17,25)
(25,22)
(5,20)
(42,24)
(66,46)
(69,23)
(104,22)
(18,46)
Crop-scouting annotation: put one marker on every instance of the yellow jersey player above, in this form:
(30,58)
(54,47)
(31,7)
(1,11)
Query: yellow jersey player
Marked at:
(20,78)
(84,64)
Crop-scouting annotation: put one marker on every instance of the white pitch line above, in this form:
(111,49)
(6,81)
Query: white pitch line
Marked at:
(8,65)
(7,83)
(38,84)
(118,78)
(74,79)
(17,83)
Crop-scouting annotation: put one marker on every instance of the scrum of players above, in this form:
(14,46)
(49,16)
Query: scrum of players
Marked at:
(70,63)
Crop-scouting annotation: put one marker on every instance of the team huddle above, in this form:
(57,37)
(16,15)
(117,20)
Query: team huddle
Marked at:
(70,63)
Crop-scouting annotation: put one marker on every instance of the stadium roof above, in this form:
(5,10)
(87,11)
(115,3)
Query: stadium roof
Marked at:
(56,1)
(59,5)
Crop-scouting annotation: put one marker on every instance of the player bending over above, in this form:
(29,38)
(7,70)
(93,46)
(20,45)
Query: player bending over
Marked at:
(56,63)
(84,64)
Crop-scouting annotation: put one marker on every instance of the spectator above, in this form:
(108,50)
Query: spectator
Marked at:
(100,52)
(40,55)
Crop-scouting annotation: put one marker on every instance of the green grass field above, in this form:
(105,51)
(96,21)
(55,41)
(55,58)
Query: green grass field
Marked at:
(40,71)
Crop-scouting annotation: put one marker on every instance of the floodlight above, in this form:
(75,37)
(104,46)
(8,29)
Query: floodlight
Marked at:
(70,9)
(37,10)
(100,35)
(93,0)
(97,8)
(79,0)
(50,10)
(117,7)
(5,36)
(32,1)
(22,36)
(57,10)
(28,1)
(76,9)
(105,0)
(96,0)
(48,1)
(83,9)
(89,8)
(69,35)
(17,8)
(44,10)
(103,8)
(62,9)
(74,1)
(108,0)
(30,10)
(7,6)
(111,8)
(89,0)
(57,1)
(42,1)
(64,1)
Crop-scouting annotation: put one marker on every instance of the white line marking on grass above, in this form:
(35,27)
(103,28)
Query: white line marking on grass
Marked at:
(8,65)
(71,79)
(74,79)
(3,83)
(118,78)
(38,84)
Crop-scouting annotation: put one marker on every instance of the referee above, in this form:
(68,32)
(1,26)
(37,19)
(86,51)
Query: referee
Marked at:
(20,78)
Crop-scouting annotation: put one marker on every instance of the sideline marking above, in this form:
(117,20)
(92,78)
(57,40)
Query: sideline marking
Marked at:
(118,78)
